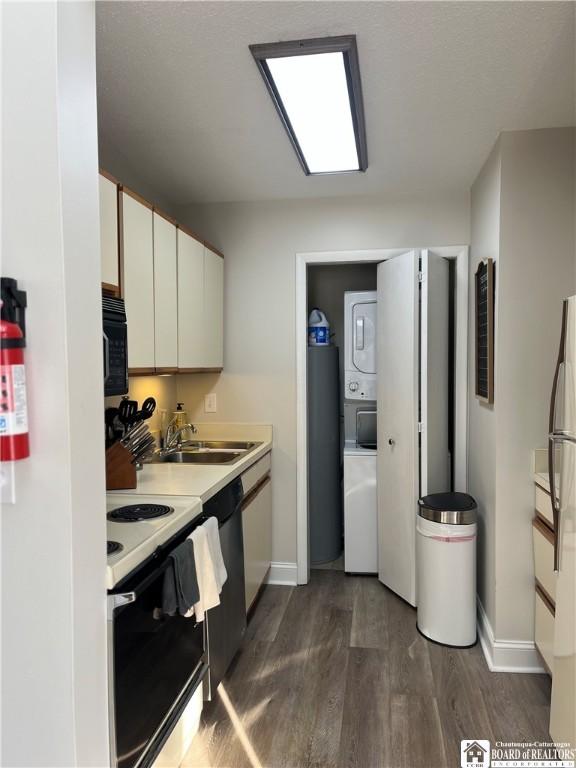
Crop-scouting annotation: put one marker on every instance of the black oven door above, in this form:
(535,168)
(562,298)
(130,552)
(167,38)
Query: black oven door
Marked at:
(157,662)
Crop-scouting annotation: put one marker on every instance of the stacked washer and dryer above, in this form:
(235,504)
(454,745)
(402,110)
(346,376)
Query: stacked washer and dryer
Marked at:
(360,449)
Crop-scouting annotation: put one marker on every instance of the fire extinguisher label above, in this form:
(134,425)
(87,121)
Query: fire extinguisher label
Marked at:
(13,411)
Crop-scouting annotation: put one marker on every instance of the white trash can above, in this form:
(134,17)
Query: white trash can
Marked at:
(446,568)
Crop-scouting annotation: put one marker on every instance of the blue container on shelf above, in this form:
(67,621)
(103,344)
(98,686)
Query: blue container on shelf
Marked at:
(318,329)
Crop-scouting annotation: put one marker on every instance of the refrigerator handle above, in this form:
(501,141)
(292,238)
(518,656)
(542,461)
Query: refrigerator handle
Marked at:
(553,500)
(559,363)
(552,441)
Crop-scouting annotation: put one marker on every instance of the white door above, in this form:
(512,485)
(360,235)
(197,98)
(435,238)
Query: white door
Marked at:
(434,373)
(165,293)
(190,302)
(109,232)
(213,309)
(397,395)
(138,281)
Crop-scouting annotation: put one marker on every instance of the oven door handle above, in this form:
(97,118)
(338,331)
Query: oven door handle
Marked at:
(117,601)
(120,599)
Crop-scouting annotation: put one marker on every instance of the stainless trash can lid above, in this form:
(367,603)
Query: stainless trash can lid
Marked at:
(448,508)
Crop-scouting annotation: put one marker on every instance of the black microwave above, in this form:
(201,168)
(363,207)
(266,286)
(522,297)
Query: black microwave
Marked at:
(115,346)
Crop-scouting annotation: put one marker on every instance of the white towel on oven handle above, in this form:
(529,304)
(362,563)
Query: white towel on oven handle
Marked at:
(211,526)
(205,574)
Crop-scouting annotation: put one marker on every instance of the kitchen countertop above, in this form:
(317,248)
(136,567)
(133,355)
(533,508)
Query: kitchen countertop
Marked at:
(138,541)
(203,480)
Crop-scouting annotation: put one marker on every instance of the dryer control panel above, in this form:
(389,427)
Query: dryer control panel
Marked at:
(359,386)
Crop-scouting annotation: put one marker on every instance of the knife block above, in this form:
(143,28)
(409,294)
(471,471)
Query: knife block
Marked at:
(120,471)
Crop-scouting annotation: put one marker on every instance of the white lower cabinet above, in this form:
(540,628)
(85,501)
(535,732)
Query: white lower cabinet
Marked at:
(544,629)
(543,543)
(545,577)
(257,532)
(543,505)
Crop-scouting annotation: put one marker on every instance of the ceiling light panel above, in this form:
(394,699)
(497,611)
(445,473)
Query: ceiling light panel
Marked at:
(315,86)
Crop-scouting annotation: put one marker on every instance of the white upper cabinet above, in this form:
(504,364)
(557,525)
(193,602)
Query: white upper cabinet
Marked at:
(138,253)
(213,309)
(109,234)
(165,293)
(200,305)
(172,284)
(190,302)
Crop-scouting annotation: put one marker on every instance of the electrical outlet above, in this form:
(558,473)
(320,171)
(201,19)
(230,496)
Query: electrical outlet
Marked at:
(210,403)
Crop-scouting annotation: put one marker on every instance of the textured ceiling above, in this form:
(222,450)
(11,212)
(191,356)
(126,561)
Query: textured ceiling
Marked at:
(180,96)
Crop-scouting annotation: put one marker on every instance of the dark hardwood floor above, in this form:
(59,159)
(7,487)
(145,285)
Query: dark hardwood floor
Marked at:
(335,675)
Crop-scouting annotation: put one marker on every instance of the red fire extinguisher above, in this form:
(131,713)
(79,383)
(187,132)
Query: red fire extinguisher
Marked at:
(14,443)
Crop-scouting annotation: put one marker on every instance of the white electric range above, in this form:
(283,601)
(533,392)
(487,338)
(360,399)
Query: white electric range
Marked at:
(151,521)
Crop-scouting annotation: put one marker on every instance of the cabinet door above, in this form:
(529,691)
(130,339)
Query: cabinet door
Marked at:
(109,234)
(138,281)
(165,293)
(213,309)
(190,302)
(257,532)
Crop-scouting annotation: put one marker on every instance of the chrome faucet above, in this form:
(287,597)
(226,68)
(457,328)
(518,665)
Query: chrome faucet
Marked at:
(172,440)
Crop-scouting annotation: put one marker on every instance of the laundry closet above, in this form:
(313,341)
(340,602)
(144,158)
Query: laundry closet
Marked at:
(381,368)
(332,415)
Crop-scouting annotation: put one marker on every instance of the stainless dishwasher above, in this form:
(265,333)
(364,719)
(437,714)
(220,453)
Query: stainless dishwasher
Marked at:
(226,624)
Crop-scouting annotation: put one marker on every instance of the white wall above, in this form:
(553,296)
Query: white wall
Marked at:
(485,239)
(537,272)
(113,160)
(161,388)
(522,215)
(260,241)
(54,698)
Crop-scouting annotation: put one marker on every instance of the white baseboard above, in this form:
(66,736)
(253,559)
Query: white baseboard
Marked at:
(506,655)
(284,574)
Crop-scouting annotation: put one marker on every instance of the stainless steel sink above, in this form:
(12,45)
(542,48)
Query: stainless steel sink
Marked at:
(218,445)
(206,452)
(202,457)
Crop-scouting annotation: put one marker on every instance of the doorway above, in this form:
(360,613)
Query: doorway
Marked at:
(332,408)
(308,261)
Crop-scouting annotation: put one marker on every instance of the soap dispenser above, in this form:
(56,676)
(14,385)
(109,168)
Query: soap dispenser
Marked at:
(179,416)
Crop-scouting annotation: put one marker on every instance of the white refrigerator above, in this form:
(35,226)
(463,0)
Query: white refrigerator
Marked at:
(562,468)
